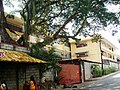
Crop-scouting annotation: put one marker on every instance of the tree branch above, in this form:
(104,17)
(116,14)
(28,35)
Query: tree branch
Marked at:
(82,26)
(65,23)
(64,36)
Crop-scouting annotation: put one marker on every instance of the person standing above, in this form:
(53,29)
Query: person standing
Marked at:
(3,86)
(33,84)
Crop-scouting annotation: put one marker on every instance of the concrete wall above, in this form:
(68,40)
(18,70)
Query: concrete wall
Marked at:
(9,75)
(49,75)
(15,74)
(25,75)
(118,66)
(112,64)
(87,68)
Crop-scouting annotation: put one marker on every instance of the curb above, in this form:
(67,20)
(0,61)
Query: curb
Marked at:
(105,76)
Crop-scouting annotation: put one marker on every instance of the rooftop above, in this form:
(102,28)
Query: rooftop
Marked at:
(15,56)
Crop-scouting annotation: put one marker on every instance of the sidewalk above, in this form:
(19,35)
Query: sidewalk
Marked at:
(90,81)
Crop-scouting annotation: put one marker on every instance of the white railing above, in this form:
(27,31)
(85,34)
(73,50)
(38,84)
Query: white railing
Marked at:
(6,46)
(22,49)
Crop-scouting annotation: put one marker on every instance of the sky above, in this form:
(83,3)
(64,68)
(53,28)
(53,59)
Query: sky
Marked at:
(107,33)
(9,9)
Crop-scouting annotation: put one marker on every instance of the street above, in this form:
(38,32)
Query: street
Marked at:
(109,83)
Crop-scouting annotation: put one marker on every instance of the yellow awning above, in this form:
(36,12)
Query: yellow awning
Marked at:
(14,56)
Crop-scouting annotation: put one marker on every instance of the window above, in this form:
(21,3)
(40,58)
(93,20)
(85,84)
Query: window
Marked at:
(109,56)
(103,53)
(112,49)
(82,54)
(113,57)
(83,44)
(103,44)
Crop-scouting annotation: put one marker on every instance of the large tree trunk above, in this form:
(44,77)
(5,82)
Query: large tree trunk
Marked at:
(3,24)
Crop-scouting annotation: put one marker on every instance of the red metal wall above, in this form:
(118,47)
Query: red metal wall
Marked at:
(70,74)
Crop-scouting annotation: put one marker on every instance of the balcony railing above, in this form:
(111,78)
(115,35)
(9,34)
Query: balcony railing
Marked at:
(13,47)
(107,49)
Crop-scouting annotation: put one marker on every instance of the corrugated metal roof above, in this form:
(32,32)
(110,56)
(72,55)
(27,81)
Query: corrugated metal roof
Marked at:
(14,56)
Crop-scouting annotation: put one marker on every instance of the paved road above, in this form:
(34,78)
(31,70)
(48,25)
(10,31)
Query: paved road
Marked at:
(109,83)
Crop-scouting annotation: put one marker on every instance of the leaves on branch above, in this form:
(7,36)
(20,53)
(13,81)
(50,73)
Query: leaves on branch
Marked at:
(43,16)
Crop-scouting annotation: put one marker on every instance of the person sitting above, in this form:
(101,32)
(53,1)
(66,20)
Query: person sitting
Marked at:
(26,86)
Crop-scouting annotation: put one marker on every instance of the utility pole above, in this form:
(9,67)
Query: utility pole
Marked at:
(101,56)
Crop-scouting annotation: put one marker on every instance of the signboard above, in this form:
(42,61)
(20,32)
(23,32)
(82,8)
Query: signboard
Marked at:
(2,54)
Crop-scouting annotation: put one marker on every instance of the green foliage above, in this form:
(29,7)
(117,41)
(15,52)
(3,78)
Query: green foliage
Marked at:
(49,18)
(109,70)
(57,80)
(97,38)
(96,70)
(48,56)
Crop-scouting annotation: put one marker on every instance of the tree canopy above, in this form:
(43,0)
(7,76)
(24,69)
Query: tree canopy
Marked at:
(49,18)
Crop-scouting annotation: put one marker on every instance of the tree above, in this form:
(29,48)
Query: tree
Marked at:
(49,18)
(48,56)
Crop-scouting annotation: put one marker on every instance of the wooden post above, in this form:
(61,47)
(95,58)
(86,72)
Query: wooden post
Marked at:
(17,76)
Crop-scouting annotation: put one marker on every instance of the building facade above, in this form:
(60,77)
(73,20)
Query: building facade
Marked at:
(101,53)
(93,51)
(86,50)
